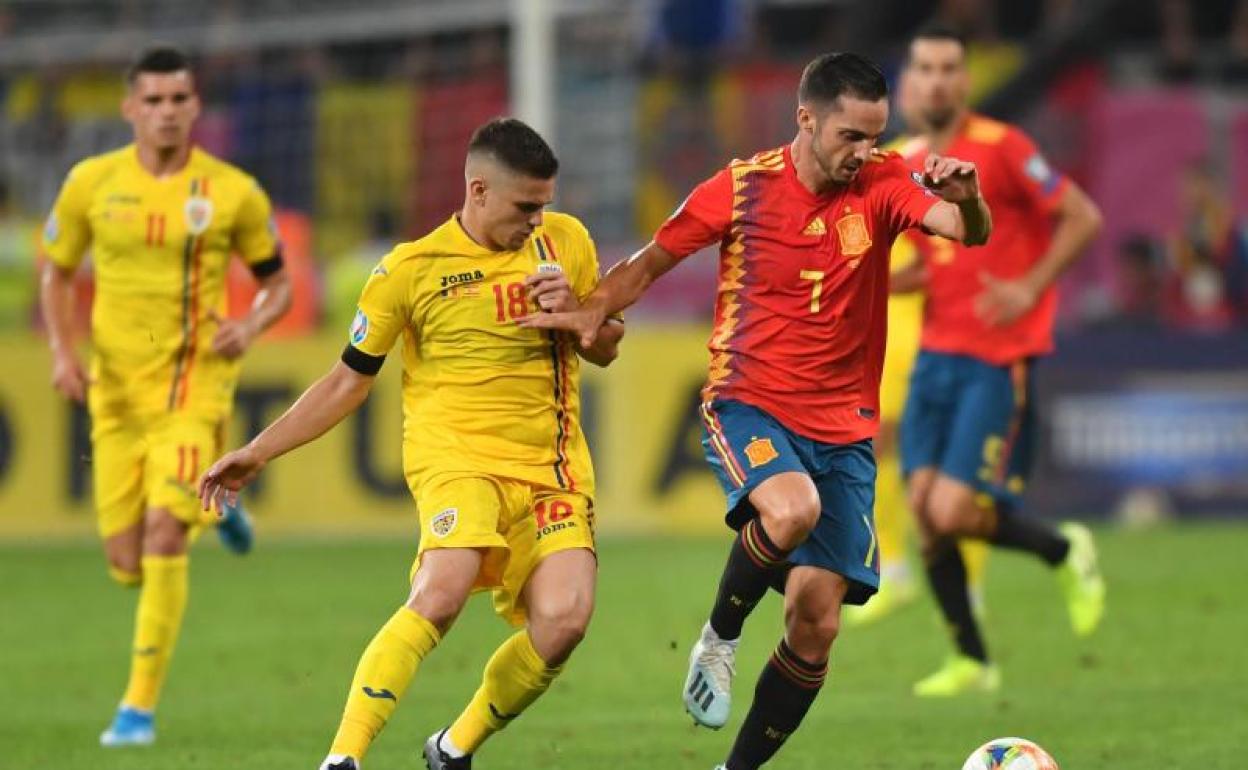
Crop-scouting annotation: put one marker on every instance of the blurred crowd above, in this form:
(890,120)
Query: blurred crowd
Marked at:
(354,140)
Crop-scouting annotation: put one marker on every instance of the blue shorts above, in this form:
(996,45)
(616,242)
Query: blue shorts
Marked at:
(971,420)
(746,446)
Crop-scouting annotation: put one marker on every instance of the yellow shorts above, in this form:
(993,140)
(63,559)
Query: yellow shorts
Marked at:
(138,465)
(518,522)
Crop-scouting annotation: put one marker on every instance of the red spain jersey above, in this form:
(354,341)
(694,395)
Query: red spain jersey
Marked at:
(1023,192)
(800,314)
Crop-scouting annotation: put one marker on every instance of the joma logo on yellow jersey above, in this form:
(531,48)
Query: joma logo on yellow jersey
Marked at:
(458,284)
(457,278)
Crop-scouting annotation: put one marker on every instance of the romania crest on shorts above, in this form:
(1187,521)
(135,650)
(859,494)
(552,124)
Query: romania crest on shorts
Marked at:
(198,214)
(761,451)
(444,523)
(855,238)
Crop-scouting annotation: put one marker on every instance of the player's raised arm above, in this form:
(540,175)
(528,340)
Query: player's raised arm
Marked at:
(963,215)
(321,407)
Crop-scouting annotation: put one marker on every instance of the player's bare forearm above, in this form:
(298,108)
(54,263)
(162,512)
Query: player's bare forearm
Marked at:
(976,221)
(56,286)
(1078,222)
(271,303)
(627,281)
(322,406)
(606,346)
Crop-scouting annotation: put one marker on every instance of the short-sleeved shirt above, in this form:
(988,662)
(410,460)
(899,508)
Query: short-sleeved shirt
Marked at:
(481,394)
(800,314)
(160,248)
(1024,192)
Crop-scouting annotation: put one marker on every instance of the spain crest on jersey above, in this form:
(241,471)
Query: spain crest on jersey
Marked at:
(761,451)
(198,214)
(855,238)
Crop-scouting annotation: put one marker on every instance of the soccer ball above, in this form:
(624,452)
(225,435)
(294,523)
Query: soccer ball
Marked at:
(1009,754)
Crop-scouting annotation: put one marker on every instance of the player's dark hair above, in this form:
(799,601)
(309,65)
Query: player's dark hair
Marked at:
(160,59)
(517,146)
(834,75)
(940,31)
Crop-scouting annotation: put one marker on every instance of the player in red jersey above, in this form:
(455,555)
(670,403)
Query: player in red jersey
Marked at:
(791,402)
(966,428)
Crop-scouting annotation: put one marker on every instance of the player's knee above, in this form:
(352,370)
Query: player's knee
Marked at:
(558,630)
(949,515)
(437,605)
(788,521)
(163,534)
(811,634)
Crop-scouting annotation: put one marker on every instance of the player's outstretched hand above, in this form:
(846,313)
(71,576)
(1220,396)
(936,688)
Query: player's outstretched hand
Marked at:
(584,323)
(1002,302)
(551,292)
(233,337)
(952,179)
(227,476)
(69,378)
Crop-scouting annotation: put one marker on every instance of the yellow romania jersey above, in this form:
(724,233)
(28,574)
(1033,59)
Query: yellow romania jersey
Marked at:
(480,394)
(160,248)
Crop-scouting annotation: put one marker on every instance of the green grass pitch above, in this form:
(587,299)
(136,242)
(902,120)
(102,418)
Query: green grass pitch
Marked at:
(271,641)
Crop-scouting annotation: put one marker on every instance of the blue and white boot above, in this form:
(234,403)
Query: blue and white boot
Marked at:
(708,686)
(130,727)
(234,528)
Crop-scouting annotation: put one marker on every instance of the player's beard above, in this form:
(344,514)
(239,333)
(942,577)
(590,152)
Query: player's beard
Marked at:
(938,119)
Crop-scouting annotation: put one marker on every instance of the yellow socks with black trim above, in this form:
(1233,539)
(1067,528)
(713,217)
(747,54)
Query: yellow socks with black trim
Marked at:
(515,677)
(162,602)
(385,670)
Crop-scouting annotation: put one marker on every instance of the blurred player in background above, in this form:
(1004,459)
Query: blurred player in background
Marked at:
(792,399)
(161,219)
(968,423)
(893,518)
(493,450)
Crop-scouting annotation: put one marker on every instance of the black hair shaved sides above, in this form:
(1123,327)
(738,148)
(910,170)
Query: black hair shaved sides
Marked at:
(515,145)
(161,59)
(834,75)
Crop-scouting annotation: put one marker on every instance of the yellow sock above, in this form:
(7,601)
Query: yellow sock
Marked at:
(975,556)
(515,676)
(125,577)
(892,514)
(162,601)
(386,669)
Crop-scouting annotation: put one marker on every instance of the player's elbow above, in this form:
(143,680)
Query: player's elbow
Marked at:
(1093,219)
(1083,213)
